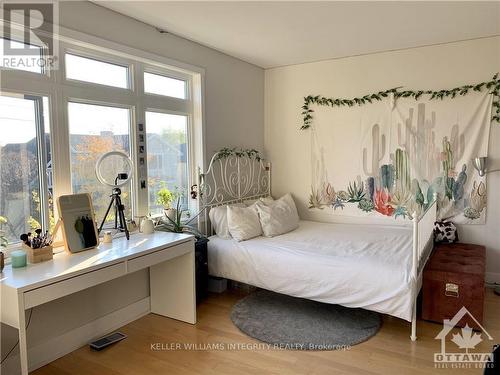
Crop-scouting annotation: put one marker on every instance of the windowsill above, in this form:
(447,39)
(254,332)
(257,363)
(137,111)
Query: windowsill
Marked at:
(161,217)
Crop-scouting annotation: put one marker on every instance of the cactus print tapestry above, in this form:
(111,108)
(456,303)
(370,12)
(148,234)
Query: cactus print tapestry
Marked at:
(389,158)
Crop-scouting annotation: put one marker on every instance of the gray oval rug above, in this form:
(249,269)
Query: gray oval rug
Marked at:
(296,323)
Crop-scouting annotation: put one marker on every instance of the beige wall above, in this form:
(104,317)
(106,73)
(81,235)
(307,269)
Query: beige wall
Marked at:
(433,67)
(234,116)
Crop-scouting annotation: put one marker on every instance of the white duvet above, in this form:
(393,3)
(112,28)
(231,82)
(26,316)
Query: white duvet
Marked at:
(351,265)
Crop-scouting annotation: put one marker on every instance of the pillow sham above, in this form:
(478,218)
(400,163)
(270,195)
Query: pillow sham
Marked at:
(218,218)
(243,222)
(250,202)
(278,217)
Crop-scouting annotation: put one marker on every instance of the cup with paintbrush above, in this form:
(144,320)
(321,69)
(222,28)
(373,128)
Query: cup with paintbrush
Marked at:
(38,246)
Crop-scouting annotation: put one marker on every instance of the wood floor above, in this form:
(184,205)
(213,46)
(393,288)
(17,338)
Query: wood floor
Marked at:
(389,352)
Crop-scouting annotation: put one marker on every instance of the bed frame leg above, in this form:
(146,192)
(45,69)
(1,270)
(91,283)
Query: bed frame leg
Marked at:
(413,336)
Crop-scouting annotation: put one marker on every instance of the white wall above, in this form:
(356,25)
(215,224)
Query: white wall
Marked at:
(234,116)
(434,67)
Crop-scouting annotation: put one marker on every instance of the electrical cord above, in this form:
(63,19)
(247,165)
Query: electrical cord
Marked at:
(17,343)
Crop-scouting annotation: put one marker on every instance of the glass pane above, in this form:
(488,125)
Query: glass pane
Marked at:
(161,85)
(167,155)
(95,130)
(95,71)
(19,174)
(49,170)
(29,63)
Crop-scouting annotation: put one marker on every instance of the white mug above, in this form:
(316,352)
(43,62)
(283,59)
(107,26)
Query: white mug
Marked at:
(147,226)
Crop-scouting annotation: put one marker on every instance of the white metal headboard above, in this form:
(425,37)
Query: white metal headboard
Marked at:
(231,179)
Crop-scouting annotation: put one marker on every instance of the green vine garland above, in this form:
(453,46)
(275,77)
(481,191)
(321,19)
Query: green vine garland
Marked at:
(238,152)
(493,85)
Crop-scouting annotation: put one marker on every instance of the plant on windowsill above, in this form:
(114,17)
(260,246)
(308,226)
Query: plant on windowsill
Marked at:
(165,197)
(177,224)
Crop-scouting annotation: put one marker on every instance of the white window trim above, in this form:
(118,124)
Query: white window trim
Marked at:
(191,151)
(101,57)
(173,75)
(42,157)
(54,85)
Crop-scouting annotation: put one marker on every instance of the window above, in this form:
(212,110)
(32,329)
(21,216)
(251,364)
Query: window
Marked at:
(166,154)
(29,65)
(95,71)
(101,101)
(25,160)
(161,85)
(93,131)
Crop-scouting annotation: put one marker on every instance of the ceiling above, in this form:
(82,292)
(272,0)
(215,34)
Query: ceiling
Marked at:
(271,34)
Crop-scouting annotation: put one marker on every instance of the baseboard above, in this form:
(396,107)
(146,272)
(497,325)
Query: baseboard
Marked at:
(57,347)
(493,277)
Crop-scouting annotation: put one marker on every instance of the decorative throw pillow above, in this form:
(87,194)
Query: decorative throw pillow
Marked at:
(278,217)
(218,218)
(445,231)
(243,222)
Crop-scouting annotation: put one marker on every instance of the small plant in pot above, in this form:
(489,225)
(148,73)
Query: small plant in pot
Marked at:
(165,197)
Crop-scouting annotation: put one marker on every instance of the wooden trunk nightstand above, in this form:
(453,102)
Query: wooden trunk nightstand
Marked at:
(454,278)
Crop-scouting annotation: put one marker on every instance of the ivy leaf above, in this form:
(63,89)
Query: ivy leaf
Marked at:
(494,85)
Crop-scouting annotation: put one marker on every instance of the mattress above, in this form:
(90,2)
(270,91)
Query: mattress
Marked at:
(366,266)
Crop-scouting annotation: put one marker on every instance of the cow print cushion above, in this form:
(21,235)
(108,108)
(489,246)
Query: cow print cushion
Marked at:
(445,232)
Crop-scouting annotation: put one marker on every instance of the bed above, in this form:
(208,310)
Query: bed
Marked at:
(375,267)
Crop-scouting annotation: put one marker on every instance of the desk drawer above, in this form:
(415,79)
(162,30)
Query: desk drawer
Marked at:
(160,256)
(63,288)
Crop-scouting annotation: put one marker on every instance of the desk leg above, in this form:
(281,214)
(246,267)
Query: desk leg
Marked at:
(23,345)
(173,288)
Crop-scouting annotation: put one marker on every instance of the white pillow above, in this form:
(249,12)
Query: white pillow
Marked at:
(218,218)
(268,199)
(243,222)
(279,216)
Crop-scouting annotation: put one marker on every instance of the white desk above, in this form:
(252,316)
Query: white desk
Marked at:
(170,257)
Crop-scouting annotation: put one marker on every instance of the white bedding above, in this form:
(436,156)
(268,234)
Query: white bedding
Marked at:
(351,265)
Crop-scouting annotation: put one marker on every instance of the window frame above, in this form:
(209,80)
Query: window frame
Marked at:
(172,75)
(131,119)
(191,177)
(100,57)
(60,91)
(40,127)
(17,35)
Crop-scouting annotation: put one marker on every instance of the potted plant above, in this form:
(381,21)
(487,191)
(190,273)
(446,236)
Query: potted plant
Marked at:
(3,242)
(175,223)
(165,197)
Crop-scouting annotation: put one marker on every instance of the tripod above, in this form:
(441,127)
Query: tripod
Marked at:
(119,213)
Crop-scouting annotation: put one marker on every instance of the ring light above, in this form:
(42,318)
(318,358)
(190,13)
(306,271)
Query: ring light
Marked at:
(120,182)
